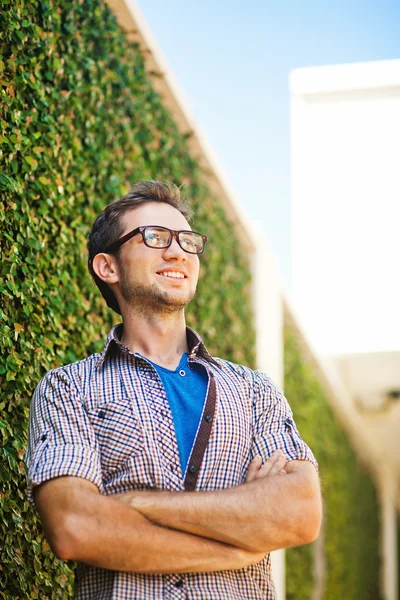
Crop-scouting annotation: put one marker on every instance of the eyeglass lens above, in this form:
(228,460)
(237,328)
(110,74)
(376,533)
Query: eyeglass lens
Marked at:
(159,237)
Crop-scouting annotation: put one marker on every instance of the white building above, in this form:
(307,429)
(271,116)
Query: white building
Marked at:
(346,219)
(346,205)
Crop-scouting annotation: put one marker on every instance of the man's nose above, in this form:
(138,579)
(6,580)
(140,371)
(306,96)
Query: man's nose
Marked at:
(174,249)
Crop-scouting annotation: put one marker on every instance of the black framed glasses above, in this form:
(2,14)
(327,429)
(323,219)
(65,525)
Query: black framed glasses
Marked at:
(161,237)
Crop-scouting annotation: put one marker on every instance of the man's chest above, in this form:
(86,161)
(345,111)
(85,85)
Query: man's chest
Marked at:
(131,416)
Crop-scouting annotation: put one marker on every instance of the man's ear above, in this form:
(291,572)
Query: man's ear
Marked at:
(106,267)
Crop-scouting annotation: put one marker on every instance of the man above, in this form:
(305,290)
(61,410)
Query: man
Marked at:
(164,472)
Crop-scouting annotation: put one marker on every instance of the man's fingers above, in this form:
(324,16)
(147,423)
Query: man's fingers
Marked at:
(273,465)
(278,465)
(254,467)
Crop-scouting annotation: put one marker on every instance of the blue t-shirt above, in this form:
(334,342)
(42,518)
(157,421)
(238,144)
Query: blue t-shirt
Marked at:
(186,389)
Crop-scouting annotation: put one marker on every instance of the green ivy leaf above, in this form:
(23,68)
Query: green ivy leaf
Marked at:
(31,161)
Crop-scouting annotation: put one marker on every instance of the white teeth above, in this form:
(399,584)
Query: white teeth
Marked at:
(175,274)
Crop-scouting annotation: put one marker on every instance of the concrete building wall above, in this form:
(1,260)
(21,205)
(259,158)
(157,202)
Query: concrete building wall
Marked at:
(346,205)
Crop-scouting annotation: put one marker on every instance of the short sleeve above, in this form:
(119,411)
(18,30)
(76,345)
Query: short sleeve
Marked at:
(61,438)
(274,427)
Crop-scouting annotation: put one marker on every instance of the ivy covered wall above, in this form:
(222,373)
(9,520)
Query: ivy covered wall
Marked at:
(349,552)
(80,122)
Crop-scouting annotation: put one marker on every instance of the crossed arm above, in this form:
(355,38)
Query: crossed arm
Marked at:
(82,525)
(267,513)
(178,532)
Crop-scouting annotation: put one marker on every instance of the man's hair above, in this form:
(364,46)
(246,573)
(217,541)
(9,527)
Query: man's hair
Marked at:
(108,228)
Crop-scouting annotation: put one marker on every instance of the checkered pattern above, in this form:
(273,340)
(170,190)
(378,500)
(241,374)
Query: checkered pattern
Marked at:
(107,419)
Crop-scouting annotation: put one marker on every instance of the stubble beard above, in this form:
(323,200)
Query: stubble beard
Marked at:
(150,299)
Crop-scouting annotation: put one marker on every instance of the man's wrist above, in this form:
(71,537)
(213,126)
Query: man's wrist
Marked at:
(150,503)
(141,500)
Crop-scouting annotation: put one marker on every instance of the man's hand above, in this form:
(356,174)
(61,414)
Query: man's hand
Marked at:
(274,465)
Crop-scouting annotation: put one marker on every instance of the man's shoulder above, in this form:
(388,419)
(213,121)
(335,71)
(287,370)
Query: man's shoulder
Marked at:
(235,369)
(71,374)
(254,377)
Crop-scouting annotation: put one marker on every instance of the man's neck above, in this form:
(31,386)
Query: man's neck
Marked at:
(161,338)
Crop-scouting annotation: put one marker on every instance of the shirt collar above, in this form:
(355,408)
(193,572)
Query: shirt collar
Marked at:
(195,344)
(112,341)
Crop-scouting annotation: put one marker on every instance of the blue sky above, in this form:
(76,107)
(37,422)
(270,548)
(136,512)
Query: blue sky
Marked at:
(232,61)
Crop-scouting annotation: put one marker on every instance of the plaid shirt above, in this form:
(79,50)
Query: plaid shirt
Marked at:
(107,419)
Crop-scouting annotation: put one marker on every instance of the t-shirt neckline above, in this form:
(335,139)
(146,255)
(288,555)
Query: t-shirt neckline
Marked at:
(182,364)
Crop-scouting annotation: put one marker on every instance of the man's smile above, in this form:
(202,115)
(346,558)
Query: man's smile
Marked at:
(172,274)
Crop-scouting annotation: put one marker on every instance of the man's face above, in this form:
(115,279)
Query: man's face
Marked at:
(150,279)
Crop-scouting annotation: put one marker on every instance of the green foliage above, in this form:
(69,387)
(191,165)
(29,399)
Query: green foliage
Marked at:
(351,528)
(80,122)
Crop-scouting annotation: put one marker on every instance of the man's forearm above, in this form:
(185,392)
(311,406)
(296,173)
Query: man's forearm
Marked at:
(84,526)
(154,549)
(263,515)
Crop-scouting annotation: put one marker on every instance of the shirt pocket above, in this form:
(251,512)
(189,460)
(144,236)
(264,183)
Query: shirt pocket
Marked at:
(118,431)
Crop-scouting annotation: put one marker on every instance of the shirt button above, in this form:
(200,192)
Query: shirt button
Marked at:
(178,583)
(192,469)
(211,374)
(208,418)
(102,414)
(182,373)
(43,438)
